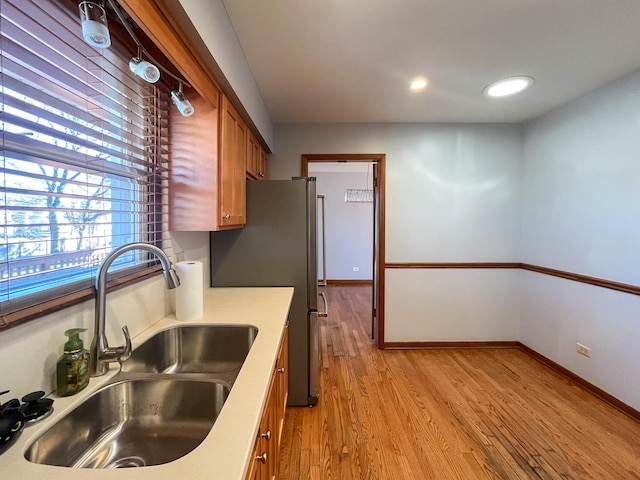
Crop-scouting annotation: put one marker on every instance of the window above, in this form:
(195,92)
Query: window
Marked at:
(83,166)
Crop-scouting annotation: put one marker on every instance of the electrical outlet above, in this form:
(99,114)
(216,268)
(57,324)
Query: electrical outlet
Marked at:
(356,269)
(582,350)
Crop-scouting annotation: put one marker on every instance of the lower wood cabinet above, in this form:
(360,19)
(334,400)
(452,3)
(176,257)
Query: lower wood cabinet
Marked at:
(266,451)
(282,383)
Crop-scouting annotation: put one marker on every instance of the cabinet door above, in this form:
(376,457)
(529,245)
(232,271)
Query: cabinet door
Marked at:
(193,178)
(271,443)
(253,156)
(256,159)
(264,454)
(255,467)
(263,168)
(265,461)
(282,382)
(232,167)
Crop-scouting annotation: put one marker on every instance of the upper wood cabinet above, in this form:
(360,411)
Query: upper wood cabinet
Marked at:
(212,153)
(232,167)
(253,156)
(263,172)
(207,189)
(256,159)
(209,149)
(193,177)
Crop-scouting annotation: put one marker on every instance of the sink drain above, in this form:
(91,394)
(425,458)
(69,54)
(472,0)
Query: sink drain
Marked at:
(127,462)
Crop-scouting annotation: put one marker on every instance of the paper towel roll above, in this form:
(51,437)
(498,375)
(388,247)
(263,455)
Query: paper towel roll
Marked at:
(189,295)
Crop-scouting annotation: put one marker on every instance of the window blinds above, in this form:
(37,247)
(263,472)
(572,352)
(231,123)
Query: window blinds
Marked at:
(84,160)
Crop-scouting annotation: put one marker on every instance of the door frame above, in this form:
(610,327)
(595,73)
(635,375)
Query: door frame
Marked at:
(380,160)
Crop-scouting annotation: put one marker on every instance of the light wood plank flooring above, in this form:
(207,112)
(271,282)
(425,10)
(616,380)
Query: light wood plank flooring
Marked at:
(447,414)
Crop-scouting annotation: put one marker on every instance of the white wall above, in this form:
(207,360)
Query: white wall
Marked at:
(349,226)
(451,305)
(214,27)
(581,196)
(452,196)
(581,205)
(29,352)
(556,314)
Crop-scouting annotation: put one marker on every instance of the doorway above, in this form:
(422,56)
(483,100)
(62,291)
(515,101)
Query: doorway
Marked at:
(377,261)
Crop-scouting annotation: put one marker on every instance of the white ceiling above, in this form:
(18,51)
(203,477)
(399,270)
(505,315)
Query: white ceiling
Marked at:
(352,60)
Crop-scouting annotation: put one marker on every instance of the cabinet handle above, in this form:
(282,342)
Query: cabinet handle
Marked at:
(266,436)
(262,458)
(281,370)
(227,216)
(260,174)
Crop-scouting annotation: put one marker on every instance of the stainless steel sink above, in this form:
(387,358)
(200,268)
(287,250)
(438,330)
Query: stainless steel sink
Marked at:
(133,423)
(216,350)
(159,407)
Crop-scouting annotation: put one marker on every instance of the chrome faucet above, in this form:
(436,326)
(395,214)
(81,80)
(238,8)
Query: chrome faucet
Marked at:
(100,354)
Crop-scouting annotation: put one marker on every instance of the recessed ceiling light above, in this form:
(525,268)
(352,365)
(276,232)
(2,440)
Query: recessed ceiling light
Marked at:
(508,86)
(418,84)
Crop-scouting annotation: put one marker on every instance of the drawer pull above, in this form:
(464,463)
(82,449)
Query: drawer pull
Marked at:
(266,436)
(262,458)
(281,370)
(227,216)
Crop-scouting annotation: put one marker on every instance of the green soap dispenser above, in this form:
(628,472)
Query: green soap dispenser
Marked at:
(72,373)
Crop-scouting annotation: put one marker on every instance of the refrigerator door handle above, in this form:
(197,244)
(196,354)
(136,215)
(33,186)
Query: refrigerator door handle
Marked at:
(322,282)
(324,314)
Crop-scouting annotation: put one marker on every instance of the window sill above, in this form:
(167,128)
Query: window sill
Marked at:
(59,303)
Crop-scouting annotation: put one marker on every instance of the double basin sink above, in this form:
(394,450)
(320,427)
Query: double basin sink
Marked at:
(159,407)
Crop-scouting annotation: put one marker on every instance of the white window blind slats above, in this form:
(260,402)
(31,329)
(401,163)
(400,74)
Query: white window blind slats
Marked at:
(21,147)
(48,122)
(83,155)
(105,91)
(79,92)
(37,87)
(75,138)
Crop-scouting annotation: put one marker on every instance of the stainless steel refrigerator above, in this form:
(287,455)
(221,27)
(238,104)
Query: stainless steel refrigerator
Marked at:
(278,247)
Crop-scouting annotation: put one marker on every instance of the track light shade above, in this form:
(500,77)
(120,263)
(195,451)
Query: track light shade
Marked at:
(145,70)
(94,25)
(180,101)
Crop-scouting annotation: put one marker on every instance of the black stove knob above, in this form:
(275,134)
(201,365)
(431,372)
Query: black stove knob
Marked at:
(12,404)
(33,396)
(11,423)
(35,406)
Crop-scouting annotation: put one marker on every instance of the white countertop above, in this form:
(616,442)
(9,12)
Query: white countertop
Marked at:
(225,452)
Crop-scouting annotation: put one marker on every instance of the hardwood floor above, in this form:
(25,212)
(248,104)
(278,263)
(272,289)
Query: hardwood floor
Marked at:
(447,414)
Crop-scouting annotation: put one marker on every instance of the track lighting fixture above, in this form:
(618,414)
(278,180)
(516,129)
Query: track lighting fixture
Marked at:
(145,70)
(96,33)
(94,25)
(180,101)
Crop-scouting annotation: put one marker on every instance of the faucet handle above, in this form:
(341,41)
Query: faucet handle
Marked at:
(120,354)
(124,352)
